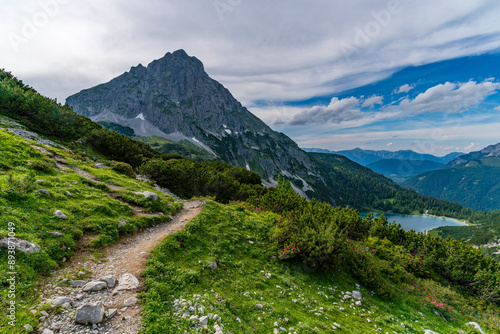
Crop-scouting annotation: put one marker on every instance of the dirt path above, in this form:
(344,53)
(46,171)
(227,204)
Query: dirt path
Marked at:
(128,255)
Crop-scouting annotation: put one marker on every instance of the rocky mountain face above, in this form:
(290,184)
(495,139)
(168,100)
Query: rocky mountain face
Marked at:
(487,152)
(174,98)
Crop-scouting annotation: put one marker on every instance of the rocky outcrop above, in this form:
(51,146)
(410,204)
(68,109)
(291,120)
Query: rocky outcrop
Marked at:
(173,97)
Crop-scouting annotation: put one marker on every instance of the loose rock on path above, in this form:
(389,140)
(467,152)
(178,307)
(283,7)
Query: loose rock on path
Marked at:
(110,284)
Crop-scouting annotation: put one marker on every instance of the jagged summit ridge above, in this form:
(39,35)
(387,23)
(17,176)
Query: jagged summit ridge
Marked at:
(174,95)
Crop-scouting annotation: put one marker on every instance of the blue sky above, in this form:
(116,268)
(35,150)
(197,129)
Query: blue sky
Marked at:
(448,106)
(324,72)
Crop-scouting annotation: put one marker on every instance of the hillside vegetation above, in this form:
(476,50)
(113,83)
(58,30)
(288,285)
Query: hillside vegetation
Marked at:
(268,243)
(476,184)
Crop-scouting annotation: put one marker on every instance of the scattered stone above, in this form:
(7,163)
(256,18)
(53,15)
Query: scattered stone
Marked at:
(109,279)
(111,313)
(258,305)
(203,321)
(60,215)
(95,286)
(127,282)
(44,313)
(100,165)
(77,282)
(59,234)
(428,331)
(122,223)
(47,331)
(89,314)
(68,194)
(28,328)
(476,326)
(43,191)
(213,265)
(357,295)
(130,301)
(128,317)
(19,244)
(60,301)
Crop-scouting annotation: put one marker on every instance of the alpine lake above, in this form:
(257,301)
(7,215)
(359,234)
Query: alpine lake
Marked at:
(419,223)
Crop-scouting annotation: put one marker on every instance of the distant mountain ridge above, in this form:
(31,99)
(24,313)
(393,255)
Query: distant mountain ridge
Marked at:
(487,152)
(366,157)
(472,180)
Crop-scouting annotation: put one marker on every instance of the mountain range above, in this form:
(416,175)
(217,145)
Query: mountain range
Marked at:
(173,104)
(472,180)
(366,157)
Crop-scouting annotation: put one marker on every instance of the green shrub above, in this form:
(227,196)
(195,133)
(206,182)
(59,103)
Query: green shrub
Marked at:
(123,167)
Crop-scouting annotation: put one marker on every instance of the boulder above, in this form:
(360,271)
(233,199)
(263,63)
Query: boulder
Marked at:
(357,295)
(20,245)
(60,215)
(127,282)
(92,314)
(149,195)
(95,286)
(109,279)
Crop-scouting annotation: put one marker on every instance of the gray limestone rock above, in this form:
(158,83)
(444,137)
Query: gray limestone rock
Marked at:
(127,282)
(60,215)
(94,286)
(88,313)
(19,245)
(109,279)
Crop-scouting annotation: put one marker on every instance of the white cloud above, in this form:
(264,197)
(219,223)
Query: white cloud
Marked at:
(471,146)
(404,89)
(497,108)
(372,101)
(337,111)
(257,49)
(389,144)
(449,97)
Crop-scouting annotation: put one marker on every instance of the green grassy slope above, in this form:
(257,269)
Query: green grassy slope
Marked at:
(253,291)
(92,208)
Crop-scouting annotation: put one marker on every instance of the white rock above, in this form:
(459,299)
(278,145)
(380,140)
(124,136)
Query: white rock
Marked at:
(127,282)
(60,215)
(357,295)
(111,313)
(149,195)
(60,301)
(47,331)
(428,331)
(94,286)
(203,321)
(130,301)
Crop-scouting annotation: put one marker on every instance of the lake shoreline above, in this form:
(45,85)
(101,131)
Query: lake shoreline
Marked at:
(414,222)
(463,223)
